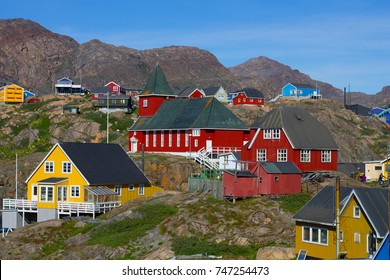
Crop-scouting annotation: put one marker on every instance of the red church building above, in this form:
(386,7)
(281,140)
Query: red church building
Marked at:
(291,134)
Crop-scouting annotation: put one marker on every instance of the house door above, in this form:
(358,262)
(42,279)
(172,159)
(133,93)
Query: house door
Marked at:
(209,145)
(134,143)
(34,196)
(62,193)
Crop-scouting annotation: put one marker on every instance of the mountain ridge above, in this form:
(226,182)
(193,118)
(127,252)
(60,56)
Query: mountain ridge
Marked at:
(34,57)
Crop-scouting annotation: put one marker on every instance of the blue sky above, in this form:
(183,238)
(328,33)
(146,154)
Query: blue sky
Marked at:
(336,41)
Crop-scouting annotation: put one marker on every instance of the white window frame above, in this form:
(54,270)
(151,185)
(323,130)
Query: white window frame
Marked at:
(49,166)
(267,134)
(196,132)
(141,189)
(261,155)
(146,138)
(66,167)
(170,138)
(326,156)
(118,190)
(131,187)
(145,103)
(319,232)
(74,191)
(281,155)
(196,142)
(276,133)
(356,214)
(44,191)
(178,138)
(154,138)
(341,236)
(305,155)
(162,138)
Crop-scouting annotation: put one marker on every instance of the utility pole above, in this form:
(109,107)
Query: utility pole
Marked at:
(16,178)
(108,118)
(337,218)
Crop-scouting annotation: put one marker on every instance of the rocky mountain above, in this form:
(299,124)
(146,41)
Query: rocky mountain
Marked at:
(270,76)
(35,58)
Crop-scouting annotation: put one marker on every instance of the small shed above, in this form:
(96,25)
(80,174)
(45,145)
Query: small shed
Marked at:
(239,184)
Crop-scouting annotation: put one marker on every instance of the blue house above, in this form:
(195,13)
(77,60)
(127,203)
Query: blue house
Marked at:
(383,252)
(382,113)
(300,91)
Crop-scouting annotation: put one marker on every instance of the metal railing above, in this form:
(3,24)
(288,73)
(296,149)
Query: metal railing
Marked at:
(86,207)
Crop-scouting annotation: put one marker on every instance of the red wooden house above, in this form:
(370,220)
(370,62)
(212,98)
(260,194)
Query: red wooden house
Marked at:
(156,91)
(190,92)
(248,96)
(264,178)
(292,134)
(186,126)
(115,88)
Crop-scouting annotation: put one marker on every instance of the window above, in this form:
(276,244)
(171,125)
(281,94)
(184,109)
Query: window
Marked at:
(226,160)
(325,156)
(244,100)
(315,235)
(267,133)
(276,178)
(115,88)
(170,139)
(259,99)
(102,101)
(356,212)
(74,191)
(141,189)
(196,143)
(47,193)
(162,138)
(147,138)
(276,134)
(178,138)
(145,103)
(378,168)
(282,155)
(196,132)
(66,167)
(305,155)
(251,100)
(118,190)
(186,139)
(341,236)
(131,187)
(49,167)
(261,155)
(356,237)
(154,138)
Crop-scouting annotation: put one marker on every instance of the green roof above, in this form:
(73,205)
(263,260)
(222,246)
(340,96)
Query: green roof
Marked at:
(157,83)
(196,113)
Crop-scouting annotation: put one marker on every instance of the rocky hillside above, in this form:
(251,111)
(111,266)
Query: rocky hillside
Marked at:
(35,58)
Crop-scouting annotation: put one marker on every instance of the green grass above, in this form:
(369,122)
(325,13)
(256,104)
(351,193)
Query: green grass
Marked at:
(192,245)
(293,202)
(119,233)
(97,117)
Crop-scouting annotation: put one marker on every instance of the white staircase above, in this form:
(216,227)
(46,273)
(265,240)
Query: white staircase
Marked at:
(204,158)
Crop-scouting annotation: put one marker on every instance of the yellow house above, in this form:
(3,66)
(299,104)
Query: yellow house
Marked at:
(11,94)
(77,178)
(362,223)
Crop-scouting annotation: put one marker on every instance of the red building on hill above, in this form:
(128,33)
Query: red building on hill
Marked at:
(290,134)
(248,96)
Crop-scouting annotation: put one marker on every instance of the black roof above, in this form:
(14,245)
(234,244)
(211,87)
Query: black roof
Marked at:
(103,164)
(301,128)
(241,173)
(210,91)
(280,167)
(252,92)
(195,113)
(185,92)
(321,208)
(100,89)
